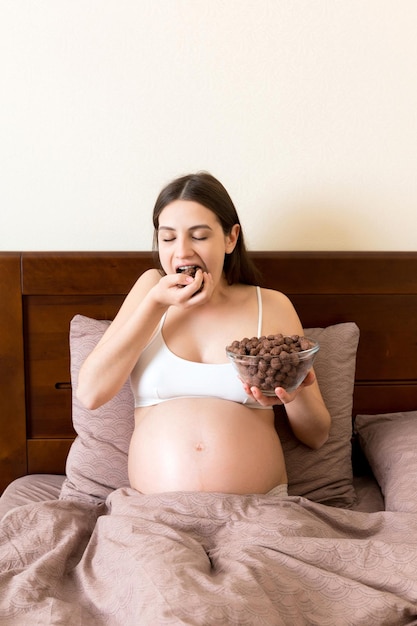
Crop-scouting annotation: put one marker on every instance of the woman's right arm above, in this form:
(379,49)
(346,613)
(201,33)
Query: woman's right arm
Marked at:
(108,366)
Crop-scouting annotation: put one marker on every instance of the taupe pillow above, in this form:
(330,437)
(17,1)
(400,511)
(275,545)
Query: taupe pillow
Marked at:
(389,442)
(97,461)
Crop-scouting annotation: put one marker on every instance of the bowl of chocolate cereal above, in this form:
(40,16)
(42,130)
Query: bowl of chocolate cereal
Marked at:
(273,361)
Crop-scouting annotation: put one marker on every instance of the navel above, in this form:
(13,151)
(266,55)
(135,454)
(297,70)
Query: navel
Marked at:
(199,446)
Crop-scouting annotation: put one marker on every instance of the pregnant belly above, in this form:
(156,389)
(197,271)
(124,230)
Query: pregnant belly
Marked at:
(205,444)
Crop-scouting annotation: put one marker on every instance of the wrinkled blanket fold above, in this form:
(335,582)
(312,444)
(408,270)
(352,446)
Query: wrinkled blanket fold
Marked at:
(203,558)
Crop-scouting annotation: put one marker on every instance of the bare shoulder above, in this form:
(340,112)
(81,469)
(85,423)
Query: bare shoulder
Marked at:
(279,314)
(272,297)
(142,286)
(149,278)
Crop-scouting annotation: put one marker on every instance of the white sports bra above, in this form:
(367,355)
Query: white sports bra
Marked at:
(159,375)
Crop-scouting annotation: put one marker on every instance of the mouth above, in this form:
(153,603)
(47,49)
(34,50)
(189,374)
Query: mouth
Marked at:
(190,270)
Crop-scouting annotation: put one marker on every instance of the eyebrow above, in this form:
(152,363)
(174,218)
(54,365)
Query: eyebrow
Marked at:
(196,227)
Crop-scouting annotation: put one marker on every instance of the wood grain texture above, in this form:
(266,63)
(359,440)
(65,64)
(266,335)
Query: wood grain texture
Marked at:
(13,461)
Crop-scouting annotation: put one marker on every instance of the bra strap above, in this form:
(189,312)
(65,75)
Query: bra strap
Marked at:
(259,295)
(162,320)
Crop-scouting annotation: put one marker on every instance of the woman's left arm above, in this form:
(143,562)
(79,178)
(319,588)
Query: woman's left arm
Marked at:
(307,414)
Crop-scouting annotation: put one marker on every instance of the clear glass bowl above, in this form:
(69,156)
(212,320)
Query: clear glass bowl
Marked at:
(266,371)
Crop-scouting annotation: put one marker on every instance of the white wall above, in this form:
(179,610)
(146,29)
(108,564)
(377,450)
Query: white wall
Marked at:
(305,109)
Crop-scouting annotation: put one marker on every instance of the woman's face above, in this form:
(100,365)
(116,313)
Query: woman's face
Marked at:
(190,234)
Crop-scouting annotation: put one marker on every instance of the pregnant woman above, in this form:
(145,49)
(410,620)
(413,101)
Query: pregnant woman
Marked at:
(197,426)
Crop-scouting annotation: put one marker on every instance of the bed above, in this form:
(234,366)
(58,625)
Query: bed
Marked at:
(79,546)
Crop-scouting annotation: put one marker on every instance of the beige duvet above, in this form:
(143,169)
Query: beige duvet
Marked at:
(201,559)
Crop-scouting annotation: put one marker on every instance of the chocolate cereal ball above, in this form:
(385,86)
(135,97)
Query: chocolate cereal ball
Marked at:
(273,361)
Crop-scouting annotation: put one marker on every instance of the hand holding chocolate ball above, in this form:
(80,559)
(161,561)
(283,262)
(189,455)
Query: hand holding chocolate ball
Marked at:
(189,270)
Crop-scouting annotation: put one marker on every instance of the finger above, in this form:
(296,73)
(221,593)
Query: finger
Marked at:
(202,284)
(184,280)
(259,397)
(199,281)
(281,394)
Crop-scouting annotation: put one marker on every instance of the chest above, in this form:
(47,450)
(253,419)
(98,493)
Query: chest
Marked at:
(203,336)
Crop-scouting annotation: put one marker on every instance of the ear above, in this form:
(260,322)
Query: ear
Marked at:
(231,238)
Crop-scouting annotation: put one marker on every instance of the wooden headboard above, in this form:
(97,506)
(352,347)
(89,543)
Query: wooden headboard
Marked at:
(41,291)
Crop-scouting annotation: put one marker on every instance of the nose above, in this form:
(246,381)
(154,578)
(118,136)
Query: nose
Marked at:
(183,247)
